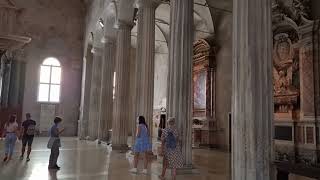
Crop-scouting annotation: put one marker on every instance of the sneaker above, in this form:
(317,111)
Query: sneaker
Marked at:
(28,159)
(5,159)
(144,171)
(161,177)
(21,157)
(133,170)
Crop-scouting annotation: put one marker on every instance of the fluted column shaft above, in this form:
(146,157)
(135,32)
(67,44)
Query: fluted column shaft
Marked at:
(85,96)
(180,73)
(122,87)
(252,105)
(145,61)
(95,94)
(106,98)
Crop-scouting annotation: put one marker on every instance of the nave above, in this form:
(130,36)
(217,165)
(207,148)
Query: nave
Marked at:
(86,160)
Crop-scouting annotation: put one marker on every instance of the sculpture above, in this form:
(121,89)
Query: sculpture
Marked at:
(283,65)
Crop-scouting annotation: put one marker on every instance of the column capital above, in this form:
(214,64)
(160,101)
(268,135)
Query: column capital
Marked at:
(148,3)
(107,40)
(124,25)
(97,51)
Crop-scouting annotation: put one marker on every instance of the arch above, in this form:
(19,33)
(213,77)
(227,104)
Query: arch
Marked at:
(51,61)
(203,52)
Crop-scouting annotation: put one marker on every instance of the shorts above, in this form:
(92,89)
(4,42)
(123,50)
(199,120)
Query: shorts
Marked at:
(27,140)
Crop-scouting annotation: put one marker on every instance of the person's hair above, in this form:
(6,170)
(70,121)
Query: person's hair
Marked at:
(28,115)
(171,121)
(57,120)
(12,119)
(142,120)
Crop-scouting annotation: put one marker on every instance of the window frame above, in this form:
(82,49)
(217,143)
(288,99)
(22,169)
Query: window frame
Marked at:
(50,82)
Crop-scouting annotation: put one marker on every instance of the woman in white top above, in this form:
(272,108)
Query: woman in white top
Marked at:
(11,131)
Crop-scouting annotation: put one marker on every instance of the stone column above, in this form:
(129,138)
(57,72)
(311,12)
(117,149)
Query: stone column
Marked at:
(106,99)
(95,94)
(145,60)
(180,72)
(85,95)
(252,99)
(122,90)
(315,4)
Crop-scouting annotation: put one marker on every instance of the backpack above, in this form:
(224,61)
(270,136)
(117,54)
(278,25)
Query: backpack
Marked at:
(31,130)
(171,142)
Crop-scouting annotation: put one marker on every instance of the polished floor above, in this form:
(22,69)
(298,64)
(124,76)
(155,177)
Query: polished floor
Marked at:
(81,160)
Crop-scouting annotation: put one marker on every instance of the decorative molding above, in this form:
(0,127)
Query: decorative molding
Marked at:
(298,10)
(148,3)
(124,25)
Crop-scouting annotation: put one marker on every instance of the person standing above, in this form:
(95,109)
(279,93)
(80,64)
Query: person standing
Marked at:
(10,132)
(54,143)
(142,145)
(171,149)
(27,135)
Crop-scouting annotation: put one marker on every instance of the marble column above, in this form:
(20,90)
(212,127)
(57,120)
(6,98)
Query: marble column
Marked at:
(180,73)
(252,89)
(106,99)
(95,93)
(145,60)
(85,95)
(122,90)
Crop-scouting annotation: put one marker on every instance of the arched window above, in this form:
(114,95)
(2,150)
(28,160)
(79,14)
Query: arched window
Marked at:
(50,79)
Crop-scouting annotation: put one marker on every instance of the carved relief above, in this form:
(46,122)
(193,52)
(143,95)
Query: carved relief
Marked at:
(295,75)
(297,10)
(285,93)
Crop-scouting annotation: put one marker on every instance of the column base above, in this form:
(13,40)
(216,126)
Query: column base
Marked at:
(188,170)
(120,147)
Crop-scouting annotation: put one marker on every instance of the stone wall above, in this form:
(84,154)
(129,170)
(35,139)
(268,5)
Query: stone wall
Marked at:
(56,28)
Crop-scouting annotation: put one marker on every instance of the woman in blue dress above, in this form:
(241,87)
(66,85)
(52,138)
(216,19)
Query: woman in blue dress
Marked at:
(142,145)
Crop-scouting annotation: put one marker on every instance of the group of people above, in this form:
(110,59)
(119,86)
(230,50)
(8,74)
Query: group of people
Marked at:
(26,134)
(170,148)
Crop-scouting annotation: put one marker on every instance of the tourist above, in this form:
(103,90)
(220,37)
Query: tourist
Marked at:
(171,149)
(142,145)
(54,143)
(10,132)
(27,135)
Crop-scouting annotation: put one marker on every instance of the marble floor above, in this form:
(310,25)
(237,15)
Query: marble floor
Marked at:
(82,160)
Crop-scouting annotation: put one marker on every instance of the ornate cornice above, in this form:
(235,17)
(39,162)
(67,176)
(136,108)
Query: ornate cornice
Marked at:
(299,10)
(124,25)
(107,40)
(148,3)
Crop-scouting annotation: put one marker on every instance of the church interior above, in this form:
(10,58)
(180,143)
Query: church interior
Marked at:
(241,78)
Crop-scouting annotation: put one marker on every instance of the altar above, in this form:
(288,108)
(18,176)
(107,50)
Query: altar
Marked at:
(203,121)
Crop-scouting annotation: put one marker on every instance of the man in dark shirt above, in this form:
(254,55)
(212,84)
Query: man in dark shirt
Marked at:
(28,131)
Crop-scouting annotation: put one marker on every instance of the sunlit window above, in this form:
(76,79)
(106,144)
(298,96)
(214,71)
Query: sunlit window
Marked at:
(50,79)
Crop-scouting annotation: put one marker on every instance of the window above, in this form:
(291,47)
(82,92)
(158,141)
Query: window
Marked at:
(50,77)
